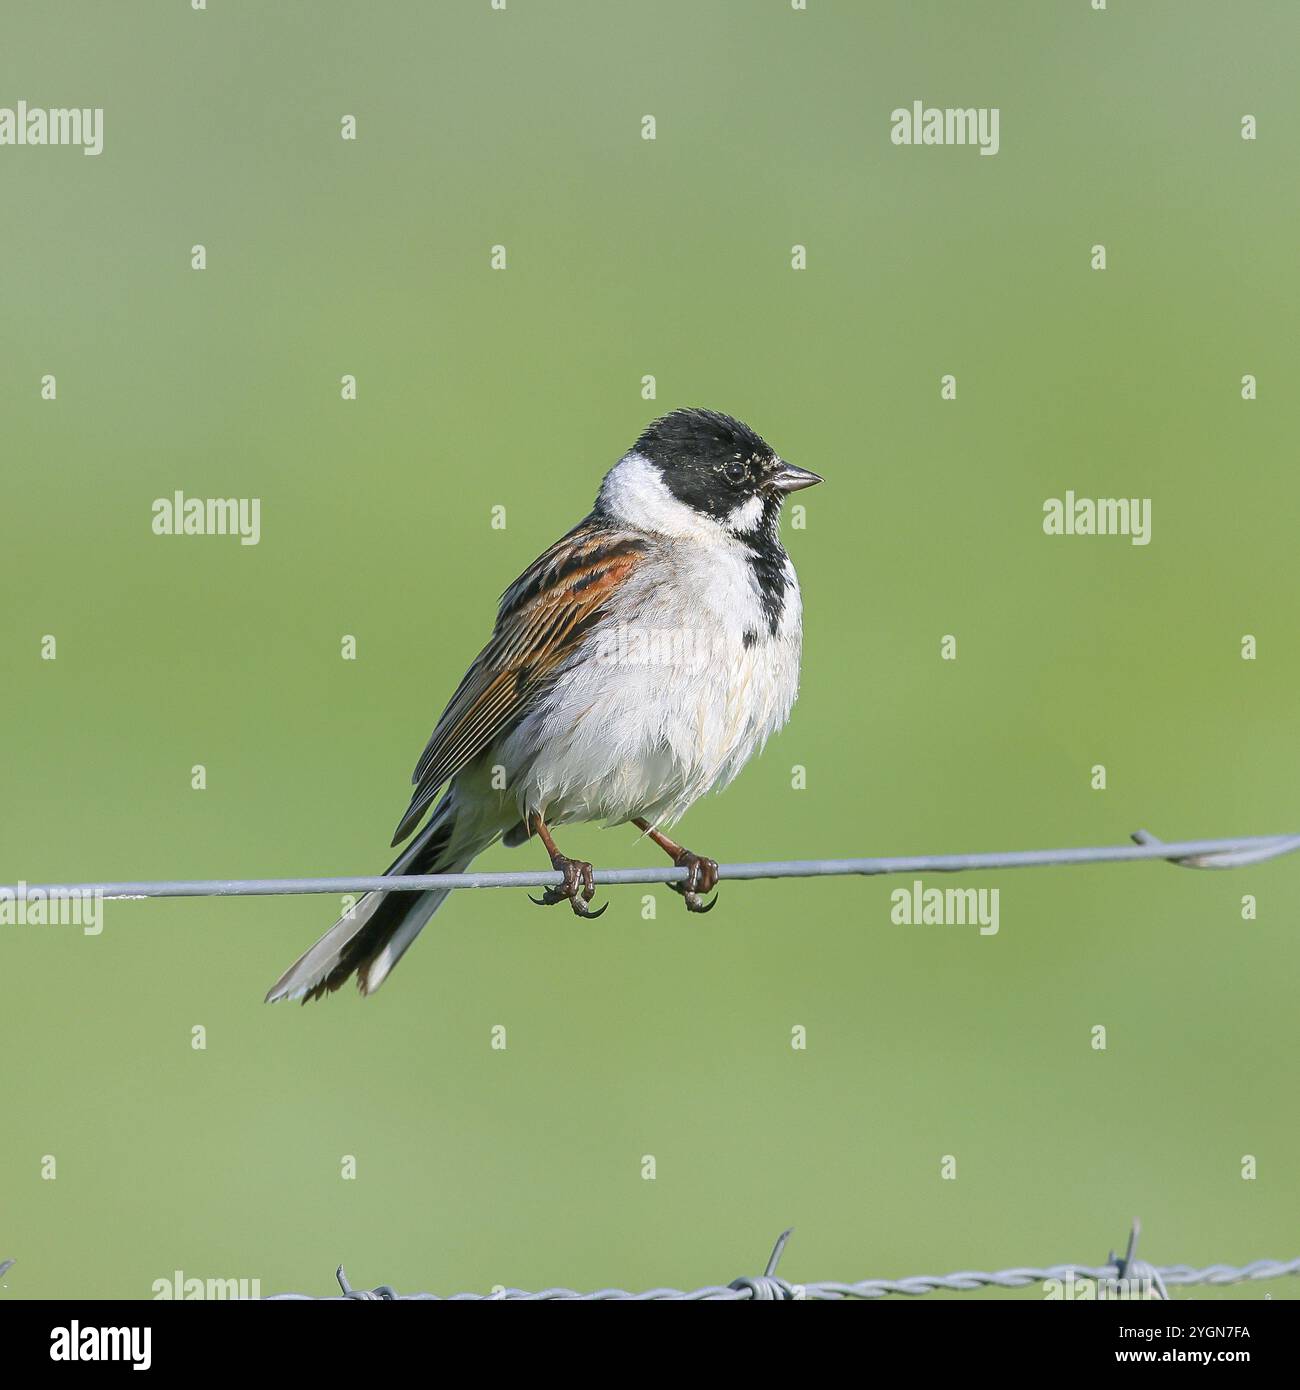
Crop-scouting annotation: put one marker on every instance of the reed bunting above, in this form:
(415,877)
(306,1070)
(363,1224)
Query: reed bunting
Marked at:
(638,663)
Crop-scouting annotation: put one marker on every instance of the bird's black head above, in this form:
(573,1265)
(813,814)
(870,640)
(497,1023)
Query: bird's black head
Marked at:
(720,468)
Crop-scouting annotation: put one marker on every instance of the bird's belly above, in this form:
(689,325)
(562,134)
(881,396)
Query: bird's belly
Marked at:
(651,720)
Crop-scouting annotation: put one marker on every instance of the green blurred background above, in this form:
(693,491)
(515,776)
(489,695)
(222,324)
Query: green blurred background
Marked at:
(478,388)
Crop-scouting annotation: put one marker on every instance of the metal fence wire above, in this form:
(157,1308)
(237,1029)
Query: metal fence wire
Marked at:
(1188,854)
(1122,1277)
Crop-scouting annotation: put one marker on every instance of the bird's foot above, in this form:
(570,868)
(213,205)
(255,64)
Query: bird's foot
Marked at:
(702,878)
(578,888)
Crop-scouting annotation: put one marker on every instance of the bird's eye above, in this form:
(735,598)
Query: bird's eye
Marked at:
(735,472)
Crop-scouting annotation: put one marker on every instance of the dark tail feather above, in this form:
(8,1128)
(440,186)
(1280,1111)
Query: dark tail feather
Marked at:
(372,938)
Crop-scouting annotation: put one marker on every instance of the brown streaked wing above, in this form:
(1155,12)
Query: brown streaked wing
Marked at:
(543,616)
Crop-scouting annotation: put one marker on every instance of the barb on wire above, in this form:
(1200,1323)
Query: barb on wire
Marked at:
(1122,1277)
(1188,854)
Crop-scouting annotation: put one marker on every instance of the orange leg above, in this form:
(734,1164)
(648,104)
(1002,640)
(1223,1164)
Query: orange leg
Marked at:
(703,875)
(579,886)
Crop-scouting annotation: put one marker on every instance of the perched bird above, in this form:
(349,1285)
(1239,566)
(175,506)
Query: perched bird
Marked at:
(636,664)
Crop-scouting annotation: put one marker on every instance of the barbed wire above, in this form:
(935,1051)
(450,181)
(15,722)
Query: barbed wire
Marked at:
(1189,854)
(1195,854)
(1122,1277)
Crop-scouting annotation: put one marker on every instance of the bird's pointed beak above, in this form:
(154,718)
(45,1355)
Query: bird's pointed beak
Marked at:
(788,478)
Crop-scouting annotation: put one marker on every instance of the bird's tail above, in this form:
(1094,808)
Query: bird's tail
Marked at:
(371,938)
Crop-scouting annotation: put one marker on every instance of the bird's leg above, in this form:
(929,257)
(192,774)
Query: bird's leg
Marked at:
(703,873)
(579,886)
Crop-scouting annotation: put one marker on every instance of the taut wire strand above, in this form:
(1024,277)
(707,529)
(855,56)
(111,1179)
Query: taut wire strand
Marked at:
(1188,854)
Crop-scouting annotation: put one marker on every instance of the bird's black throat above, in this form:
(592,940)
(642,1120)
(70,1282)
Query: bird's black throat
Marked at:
(768,563)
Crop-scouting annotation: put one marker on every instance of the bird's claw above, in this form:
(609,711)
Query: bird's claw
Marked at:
(578,888)
(701,878)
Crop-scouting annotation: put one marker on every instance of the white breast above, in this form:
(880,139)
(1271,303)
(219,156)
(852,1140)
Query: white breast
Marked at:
(669,698)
